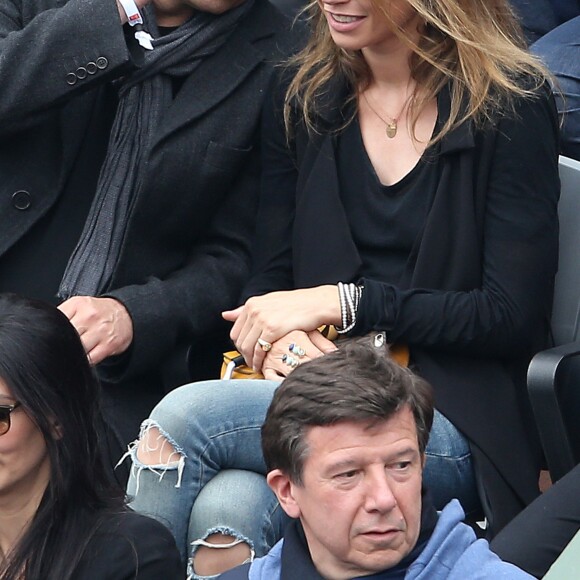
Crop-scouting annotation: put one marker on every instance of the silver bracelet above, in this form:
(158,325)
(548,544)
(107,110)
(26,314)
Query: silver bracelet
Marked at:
(350,296)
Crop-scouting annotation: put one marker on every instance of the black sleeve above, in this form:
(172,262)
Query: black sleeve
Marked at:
(131,547)
(43,45)
(272,248)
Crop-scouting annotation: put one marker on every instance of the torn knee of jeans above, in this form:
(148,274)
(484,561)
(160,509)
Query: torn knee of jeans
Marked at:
(155,451)
(235,538)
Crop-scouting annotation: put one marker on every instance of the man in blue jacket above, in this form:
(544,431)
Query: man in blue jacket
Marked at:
(552,29)
(344,442)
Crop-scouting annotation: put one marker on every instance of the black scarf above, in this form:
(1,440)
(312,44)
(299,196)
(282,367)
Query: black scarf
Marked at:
(144,96)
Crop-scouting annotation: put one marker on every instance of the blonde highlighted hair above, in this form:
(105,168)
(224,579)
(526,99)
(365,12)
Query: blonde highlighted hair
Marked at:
(475,46)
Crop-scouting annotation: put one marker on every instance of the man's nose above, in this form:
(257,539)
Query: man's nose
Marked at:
(380,496)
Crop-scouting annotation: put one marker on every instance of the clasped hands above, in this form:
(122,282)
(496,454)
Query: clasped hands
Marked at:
(104,325)
(282,319)
(279,318)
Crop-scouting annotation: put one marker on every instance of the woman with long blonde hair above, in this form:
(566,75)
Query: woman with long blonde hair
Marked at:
(410,185)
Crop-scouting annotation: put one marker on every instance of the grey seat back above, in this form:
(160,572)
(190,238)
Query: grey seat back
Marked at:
(554,374)
(566,309)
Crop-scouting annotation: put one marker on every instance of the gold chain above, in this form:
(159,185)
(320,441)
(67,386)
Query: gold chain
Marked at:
(390,126)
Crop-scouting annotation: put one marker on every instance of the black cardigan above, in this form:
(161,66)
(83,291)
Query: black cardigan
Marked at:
(474,302)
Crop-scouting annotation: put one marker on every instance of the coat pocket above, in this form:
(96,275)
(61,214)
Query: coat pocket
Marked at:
(224,157)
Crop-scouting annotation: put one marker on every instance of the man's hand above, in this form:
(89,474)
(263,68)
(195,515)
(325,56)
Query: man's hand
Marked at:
(104,325)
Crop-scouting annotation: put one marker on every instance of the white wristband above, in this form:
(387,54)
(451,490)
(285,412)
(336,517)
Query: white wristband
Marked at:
(132,12)
(134,18)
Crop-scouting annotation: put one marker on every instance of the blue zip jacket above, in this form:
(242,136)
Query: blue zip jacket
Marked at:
(452,553)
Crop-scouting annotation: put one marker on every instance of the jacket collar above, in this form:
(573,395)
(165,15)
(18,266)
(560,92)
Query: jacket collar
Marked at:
(461,137)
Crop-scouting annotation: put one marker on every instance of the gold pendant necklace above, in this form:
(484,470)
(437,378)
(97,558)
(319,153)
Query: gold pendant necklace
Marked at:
(390,125)
(391,128)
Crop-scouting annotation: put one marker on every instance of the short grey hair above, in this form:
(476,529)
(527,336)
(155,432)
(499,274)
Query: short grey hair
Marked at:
(357,382)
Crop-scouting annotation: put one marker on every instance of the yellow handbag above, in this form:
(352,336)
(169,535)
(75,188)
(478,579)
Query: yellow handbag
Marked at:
(234,367)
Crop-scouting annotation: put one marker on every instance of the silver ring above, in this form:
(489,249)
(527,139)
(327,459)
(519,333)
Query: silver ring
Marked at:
(265,345)
(296,349)
(290,360)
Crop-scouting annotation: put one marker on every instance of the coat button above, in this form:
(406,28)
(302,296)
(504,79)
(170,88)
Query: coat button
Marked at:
(102,62)
(71,78)
(21,200)
(81,73)
(91,67)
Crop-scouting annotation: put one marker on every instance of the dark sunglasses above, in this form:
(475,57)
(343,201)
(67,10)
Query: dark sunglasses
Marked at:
(5,411)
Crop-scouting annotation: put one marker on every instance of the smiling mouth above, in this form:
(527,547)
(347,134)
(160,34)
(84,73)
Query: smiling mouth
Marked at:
(344,19)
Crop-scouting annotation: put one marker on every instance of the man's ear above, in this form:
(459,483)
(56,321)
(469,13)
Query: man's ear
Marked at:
(281,485)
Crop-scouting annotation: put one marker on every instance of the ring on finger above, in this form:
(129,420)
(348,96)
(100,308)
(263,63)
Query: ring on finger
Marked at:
(290,360)
(264,345)
(296,349)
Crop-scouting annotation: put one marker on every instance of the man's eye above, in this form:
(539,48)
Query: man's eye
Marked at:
(402,465)
(347,474)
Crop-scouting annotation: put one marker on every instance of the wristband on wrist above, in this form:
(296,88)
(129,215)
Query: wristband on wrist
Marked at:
(349,296)
(134,19)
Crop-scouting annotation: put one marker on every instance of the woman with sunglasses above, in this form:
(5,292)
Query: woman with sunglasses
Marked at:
(61,517)
(410,185)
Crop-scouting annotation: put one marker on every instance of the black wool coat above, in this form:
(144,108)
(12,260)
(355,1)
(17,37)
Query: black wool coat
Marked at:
(185,253)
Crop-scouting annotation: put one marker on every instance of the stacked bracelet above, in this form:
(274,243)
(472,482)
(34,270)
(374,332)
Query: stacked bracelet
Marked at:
(349,295)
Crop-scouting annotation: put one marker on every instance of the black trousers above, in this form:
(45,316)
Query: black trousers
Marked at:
(536,537)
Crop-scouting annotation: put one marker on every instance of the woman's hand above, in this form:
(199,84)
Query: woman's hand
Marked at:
(274,315)
(282,359)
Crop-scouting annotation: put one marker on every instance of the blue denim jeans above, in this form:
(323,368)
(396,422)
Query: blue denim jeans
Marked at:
(215,482)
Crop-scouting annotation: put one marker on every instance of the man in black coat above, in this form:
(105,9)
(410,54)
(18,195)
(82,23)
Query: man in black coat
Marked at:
(130,162)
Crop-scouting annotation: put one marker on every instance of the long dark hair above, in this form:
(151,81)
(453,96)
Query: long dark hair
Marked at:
(43,363)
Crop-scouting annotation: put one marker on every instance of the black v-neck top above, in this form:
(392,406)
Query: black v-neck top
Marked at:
(385,220)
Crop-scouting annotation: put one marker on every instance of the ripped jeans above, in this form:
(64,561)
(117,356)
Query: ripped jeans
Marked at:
(214,480)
